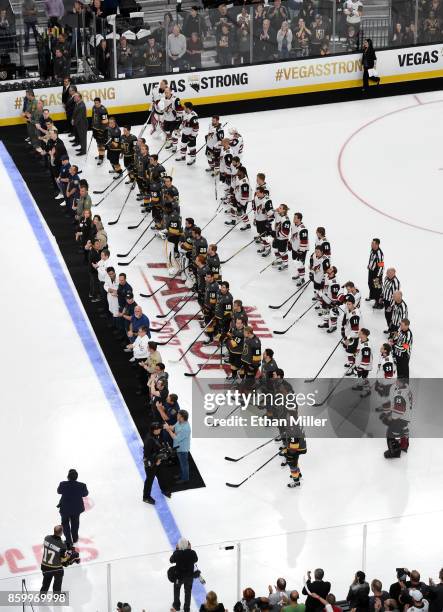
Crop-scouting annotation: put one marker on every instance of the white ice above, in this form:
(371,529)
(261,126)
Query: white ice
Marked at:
(361,169)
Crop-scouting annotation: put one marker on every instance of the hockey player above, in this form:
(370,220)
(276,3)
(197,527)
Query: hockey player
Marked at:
(157,104)
(241,200)
(294,445)
(268,364)
(226,169)
(397,419)
(320,264)
(210,301)
(281,233)
(236,142)
(363,362)
(214,139)
(350,289)
(213,262)
(223,312)
(171,189)
(99,128)
(141,170)
(299,244)
(261,182)
(239,312)
(234,344)
(185,247)
(189,133)
(172,115)
(375,273)
(153,199)
(386,374)
(264,216)
(330,301)
(321,239)
(199,247)
(349,330)
(251,357)
(128,146)
(113,145)
(173,232)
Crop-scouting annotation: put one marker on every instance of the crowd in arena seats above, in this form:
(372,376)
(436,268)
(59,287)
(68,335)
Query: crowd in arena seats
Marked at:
(429,27)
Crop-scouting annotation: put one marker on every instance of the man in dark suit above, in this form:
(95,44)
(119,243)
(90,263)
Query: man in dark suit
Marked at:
(80,123)
(71,505)
(69,109)
(318,586)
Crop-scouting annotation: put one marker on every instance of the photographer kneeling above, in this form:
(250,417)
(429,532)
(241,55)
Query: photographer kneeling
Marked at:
(155,456)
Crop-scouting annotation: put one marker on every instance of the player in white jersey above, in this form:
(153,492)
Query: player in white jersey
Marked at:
(299,244)
(320,238)
(281,234)
(330,301)
(350,327)
(386,375)
(350,289)
(264,216)
(397,419)
(236,142)
(214,139)
(241,198)
(189,135)
(363,362)
(226,169)
(319,265)
(172,116)
(157,104)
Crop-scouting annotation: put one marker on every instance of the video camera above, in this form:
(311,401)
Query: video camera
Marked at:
(71,556)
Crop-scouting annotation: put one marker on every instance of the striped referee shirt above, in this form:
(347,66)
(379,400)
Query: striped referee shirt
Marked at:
(399,312)
(376,261)
(403,344)
(389,286)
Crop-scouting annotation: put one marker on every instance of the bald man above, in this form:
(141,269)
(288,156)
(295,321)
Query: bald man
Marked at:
(399,312)
(390,285)
(54,553)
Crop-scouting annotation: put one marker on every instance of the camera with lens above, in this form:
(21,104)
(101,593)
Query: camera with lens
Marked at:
(166,455)
(71,556)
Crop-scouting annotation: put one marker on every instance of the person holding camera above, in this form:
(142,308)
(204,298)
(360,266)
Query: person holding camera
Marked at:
(184,559)
(155,452)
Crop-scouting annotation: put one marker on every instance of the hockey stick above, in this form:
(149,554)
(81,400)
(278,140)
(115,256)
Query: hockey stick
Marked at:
(135,243)
(148,295)
(122,208)
(237,252)
(251,451)
(90,143)
(145,125)
(323,402)
(230,484)
(185,300)
(289,298)
(99,192)
(117,184)
(200,368)
(179,329)
(131,227)
(309,380)
(229,231)
(193,342)
(211,220)
(292,324)
(295,301)
(123,263)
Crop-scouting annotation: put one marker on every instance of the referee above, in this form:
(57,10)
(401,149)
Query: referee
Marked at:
(399,311)
(390,285)
(375,273)
(402,350)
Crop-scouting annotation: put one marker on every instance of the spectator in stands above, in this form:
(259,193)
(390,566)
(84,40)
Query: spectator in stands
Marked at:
(243,17)
(378,597)
(307,13)
(325,48)
(184,559)
(194,55)
(176,48)
(279,594)
(320,34)
(124,58)
(317,586)
(103,60)
(100,17)
(54,12)
(358,595)
(293,605)
(244,44)
(193,23)
(284,41)
(153,57)
(353,9)
(397,36)
(5,33)
(303,38)
(61,67)
(221,16)
(432,28)
(277,14)
(435,594)
(409,37)
(225,45)
(351,43)
(265,42)
(212,604)
(29,12)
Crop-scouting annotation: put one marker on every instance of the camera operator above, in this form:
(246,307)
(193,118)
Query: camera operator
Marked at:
(155,453)
(184,558)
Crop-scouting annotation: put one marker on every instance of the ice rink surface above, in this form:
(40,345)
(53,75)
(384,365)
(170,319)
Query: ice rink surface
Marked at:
(361,169)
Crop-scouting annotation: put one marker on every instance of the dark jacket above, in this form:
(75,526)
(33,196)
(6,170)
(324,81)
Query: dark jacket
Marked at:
(435,596)
(368,59)
(320,587)
(72,493)
(184,562)
(79,115)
